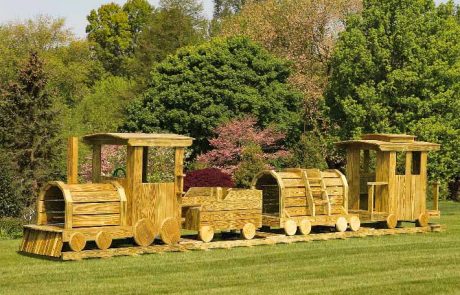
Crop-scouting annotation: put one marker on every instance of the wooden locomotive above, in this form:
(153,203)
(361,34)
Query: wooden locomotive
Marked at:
(110,208)
(69,215)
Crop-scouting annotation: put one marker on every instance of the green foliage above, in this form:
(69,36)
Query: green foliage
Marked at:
(308,152)
(113,30)
(29,127)
(102,109)
(10,228)
(166,31)
(10,202)
(396,69)
(252,162)
(202,86)
(223,8)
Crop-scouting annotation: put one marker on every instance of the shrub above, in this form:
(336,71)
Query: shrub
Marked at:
(207,178)
(10,228)
(252,163)
(10,203)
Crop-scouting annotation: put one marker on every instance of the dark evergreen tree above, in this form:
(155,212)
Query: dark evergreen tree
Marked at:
(29,128)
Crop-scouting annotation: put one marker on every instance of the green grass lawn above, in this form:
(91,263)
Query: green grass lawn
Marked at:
(403,264)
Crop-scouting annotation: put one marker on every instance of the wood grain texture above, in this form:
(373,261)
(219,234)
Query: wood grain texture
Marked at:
(206,233)
(103,240)
(249,231)
(170,231)
(144,232)
(77,242)
(96,163)
(72,160)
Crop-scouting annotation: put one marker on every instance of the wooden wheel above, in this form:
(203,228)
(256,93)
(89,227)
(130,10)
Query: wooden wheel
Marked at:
(392,221)
(290,227)
(77,242)
(144,232)
(206,233)
(249,231)
(170,231)
(341,224)
(305,226)
(423,220)
(103,240)
(355,223)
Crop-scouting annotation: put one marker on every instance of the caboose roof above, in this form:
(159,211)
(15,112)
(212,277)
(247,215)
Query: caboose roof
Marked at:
(390,142)
(140,139)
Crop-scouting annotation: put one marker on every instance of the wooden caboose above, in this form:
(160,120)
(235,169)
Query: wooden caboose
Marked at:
(387,177)
(110,208)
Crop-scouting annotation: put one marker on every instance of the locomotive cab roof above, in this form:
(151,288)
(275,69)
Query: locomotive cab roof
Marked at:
(139,139)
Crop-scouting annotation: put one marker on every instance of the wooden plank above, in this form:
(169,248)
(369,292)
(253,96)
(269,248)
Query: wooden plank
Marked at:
(96,208)
(353,166)
(95,220)
(93,197)
(90,233)
(232,224)
(233,205)
(179,171)
(295,202)
(289,174)
(96,163)
(229,215)
(295,191)
(297,211)
(293,182)
(72,160)
(91,187)
(336,181)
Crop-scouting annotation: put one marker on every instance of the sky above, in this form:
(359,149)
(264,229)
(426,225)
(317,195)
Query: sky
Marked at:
(74,11)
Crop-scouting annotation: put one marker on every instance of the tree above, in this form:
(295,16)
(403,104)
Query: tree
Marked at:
(232,139)
(166,31)
(113,30)
(223,8)
(102,109)
(301,31)
(252,162)
(203,86)
(29,127)
(10,201)
(396,69)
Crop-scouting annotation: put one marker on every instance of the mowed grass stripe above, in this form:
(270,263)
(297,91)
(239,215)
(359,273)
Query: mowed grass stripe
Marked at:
(404,264)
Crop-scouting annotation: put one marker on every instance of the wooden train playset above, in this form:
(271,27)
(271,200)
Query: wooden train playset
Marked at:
(76,221)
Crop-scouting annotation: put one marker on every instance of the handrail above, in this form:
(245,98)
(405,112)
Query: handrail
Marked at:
(370,195)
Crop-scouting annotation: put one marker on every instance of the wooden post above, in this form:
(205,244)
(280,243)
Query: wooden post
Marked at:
(353,159)
(436,196)
(145,164)
(96,165)
(72,160)
(179,171)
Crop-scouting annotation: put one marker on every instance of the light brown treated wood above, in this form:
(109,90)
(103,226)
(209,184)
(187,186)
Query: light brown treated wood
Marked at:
(72,160)
(103,240)
(77,242)
(170,231)
(42,240)
(144,232)
(249,231)
(140,139)
(436,195)
(355,223)
(206,233)
(261,240)
(305,226)
(290,227)
(96,220)
(90,233)
(96,163)
(353,177)
(341,224)
(391,221)
(423,219)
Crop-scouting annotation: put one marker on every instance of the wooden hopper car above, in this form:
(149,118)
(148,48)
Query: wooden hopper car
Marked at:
(301,198)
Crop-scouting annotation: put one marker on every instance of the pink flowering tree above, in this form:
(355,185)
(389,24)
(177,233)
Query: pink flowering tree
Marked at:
(112,157)
(232,139)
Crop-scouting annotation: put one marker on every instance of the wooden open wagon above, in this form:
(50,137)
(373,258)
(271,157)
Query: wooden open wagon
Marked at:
(301,198)
(211,209)
(387,174)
